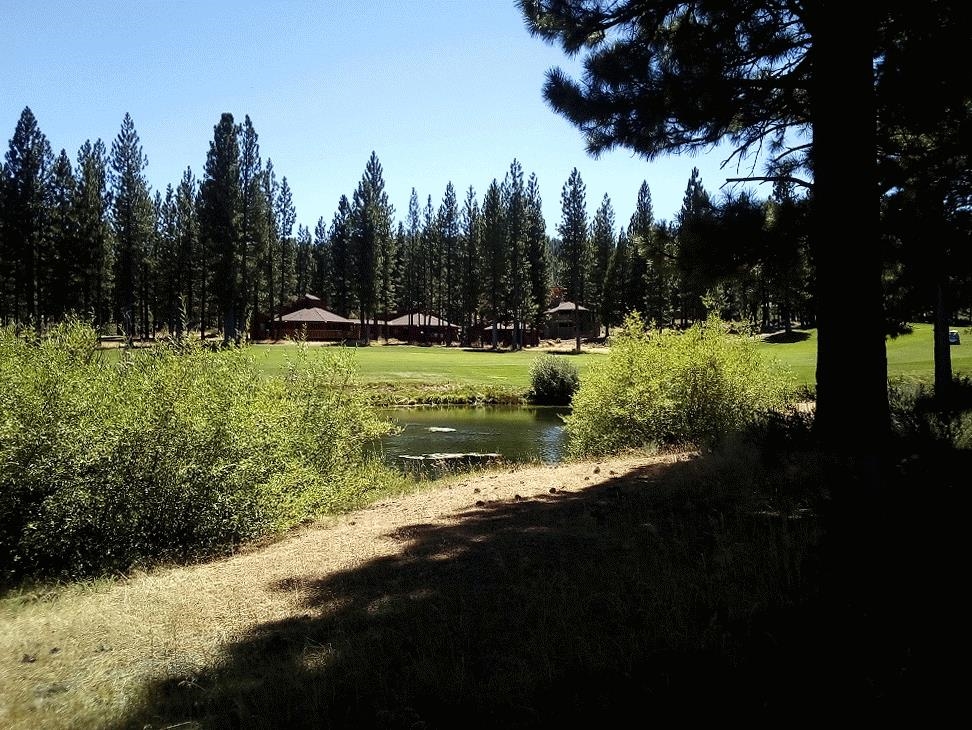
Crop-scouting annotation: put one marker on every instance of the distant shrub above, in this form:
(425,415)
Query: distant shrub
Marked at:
(554,380)
(665,387)
(169,453)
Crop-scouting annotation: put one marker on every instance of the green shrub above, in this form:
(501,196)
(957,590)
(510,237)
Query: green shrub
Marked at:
(554,380)
(167,454)
(664,388)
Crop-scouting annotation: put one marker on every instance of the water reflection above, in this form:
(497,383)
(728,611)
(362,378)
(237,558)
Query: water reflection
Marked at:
(518,433)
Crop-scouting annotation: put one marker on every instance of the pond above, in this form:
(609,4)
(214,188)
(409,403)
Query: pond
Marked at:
(518,433)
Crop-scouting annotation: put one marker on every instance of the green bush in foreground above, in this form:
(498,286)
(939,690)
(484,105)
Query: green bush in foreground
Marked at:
(666,387)
(171,453)
(554,380)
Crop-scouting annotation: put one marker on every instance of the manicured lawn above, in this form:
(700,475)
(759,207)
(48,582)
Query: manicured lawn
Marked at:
(910,356)
(415,369)
(416,366)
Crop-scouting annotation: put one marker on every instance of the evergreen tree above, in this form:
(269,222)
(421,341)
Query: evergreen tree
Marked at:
(133,224)
(573,244)
(92,203)
(447,229)
(494,256)
(537,248)
(342,258)
(601,248)
(371,226)
(220,224)
(694,221)
(24,207)
(519,291)
(304,266)
(668,77)
(254,243)
(431,255)
(168,295)
(285,251)
(323,280)
(470,247)
(189,270)
(616,277)
(410,299)
(58,275)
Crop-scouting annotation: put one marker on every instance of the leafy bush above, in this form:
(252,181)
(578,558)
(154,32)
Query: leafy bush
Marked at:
(554,380)
(169,453)
(664,387)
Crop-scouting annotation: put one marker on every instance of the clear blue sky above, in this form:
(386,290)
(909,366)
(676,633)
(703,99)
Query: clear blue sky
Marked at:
(441,90)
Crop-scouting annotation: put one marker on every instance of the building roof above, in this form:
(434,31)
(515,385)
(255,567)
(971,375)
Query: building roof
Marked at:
(419,320)
(315,314)
(566,307)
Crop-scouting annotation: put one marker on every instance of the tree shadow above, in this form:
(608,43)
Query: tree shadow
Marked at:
(640,597)
(786,338)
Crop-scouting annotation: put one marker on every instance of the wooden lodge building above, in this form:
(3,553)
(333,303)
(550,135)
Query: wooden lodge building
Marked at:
(305,316)
(560,322)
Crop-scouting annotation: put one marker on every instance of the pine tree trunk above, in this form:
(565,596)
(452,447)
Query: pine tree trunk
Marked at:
(852,412)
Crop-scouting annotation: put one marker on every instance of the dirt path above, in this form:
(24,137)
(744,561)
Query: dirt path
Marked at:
(93,646)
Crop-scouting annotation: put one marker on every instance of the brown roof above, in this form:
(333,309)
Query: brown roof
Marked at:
(419,320)
(315,314)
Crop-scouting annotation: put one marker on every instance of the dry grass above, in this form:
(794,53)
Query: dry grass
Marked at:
(77,656)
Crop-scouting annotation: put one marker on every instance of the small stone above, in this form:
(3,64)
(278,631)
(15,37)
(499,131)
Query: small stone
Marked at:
(612,472)
(28,659)
(517,497)
(476,490)
(597,470)
(352,522)
(480,503)
(55,649)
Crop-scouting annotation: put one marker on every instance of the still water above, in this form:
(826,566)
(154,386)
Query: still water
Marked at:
(518,433)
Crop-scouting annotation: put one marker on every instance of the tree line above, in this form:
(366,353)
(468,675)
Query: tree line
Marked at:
(216,253)
(90,237)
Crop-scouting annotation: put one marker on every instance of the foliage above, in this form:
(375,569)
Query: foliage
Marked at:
(554,380)
(167,454)
(918,416)
(667,387)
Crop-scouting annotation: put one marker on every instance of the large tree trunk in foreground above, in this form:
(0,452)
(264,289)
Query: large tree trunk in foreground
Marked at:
(852,395)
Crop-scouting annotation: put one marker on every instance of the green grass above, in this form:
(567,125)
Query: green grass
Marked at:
(413,374)
(910,356)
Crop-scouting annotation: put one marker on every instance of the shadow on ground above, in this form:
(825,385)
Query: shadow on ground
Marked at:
(786,338)
(637,601)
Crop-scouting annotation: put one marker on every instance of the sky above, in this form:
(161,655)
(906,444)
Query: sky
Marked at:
(441,90)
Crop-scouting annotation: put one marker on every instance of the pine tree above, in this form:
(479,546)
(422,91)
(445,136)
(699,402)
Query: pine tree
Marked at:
(284,253)
(601,248)
(92,202)
(693,220)
(537,247)
(253,241)
(447,229)
(323,280)
(519,291)
(133,224)
(371,227)
(616,302)
(220,223)
(495,256)
(573,244)
(23,207)
(304,266)
(470,247)
(58,275)
(342,258)
(189,268)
